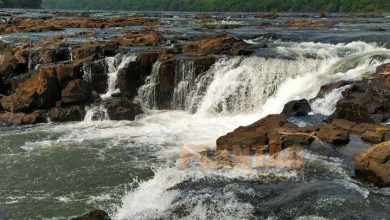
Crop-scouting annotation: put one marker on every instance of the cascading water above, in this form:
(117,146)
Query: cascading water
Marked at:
(114,64)
(147,93)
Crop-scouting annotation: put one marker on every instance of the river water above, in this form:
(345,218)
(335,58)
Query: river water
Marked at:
(133,170)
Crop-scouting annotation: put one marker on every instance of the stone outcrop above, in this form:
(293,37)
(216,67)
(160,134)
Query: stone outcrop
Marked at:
(76,92)
(297,108)
(146,38)
(308,24)
(39,91)
(367,100)
(66,114)
(223,44)
(374,165)
(133,75)
(10,118)
(122,109)
(275,132)
(373,133)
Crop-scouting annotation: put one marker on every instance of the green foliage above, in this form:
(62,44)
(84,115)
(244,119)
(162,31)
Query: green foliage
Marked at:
(344,6)
(20,3)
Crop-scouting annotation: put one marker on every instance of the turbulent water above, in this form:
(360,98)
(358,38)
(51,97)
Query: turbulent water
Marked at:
(134,170)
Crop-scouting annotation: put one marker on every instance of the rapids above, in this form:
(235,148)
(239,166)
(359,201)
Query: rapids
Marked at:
(133,169)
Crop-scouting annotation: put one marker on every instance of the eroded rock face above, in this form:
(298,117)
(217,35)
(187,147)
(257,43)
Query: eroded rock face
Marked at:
(133,75)
(94,50)
(367,100)
(66,114)
(122,109)
(297,108)
(39,91)
(223,44)
(374,165)
(76,92)
(373,133)
(94,215)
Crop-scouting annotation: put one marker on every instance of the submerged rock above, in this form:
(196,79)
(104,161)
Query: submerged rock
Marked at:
(122,109)
(223,44)
(94,215)
(297,108)
(374,165)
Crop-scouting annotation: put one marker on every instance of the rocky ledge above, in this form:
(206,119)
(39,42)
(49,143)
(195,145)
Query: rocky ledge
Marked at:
(362,111)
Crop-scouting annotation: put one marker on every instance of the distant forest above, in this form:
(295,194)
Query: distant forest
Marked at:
(20,3)
(210,5)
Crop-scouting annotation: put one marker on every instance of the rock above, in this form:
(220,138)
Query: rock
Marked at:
(76,92)
(325,89)
(67,72)
(367,100)
(122,109)
(308,24)
(297,108)
(374,165)
(223,44)
(94,215)
(372,133)
(39,91)
(96,74)
(377,29)
(94,50)
(146,38)
(133,75)
(9,65)
(168,74)
(274,133)
(255,134)
(10,118)
(66,114)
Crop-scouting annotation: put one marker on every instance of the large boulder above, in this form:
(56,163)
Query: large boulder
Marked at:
(297,108)
(76,92)
(374,165)
(223,44)
(367,100)
(65,114)
(133,75)
(122,109)
(9,65)
(39,91)
(69,71)
(94,215)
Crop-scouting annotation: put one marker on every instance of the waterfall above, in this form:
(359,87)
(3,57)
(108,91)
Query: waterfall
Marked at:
(114,64)
(147,93)
(235,85)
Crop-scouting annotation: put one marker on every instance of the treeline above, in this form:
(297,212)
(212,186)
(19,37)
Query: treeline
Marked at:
(20,3)
(209,5)
(226,5)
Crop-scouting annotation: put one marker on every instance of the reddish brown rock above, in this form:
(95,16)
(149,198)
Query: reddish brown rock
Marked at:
(374,165)
(373,133)
(94,50)
(223,44)
(308,24)
(147,38)
(10,118)
(36,92)
(76,92)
